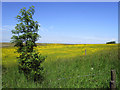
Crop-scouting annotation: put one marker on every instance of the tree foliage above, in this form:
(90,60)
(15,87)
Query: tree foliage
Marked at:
(26,31)
(24,38)
(111,42)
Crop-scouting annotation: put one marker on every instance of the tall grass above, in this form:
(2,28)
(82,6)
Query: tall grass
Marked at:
(80,71)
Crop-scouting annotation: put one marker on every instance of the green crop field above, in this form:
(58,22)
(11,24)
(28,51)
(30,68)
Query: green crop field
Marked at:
(66,66)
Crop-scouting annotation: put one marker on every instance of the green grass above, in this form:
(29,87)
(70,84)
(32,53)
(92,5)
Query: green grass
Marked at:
(101,63)
(70,72)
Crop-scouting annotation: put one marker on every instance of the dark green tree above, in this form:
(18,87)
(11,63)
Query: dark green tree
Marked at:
(111,42)
(24,38)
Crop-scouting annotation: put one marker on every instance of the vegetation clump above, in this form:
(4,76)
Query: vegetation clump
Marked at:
(111,42)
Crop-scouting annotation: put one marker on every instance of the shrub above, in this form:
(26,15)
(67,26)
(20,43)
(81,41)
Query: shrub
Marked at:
(111,42)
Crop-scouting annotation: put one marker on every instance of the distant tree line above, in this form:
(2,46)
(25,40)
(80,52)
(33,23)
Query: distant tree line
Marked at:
(111,42)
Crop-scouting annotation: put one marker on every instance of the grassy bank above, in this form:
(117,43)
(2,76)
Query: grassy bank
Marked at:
(66,66)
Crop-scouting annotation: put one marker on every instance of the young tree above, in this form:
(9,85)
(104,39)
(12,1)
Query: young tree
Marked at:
(25,36)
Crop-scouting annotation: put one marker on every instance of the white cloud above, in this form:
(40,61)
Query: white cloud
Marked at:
(97,39)
(43,28)
(7,27)
(51,27)
(113,39)
(6,32)
(0,28)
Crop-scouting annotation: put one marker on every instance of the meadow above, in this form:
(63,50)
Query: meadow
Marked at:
(66,66)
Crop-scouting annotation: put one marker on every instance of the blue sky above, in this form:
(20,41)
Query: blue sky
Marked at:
(67,22)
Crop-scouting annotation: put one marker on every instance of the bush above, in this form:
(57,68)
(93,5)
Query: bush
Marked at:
(30,64)
(111,42)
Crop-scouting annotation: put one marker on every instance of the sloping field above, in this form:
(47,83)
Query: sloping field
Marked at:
(56,51)
(67,66)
